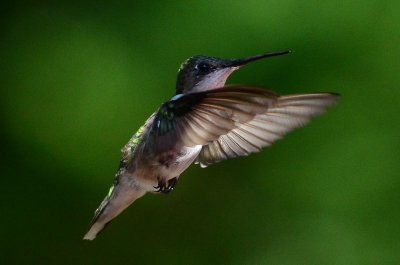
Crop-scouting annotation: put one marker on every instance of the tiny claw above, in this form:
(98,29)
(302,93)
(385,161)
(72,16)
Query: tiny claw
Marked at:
(166,187)
(160,185)
(171,184)
(158,189)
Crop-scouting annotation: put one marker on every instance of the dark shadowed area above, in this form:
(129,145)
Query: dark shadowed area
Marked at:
(78,78)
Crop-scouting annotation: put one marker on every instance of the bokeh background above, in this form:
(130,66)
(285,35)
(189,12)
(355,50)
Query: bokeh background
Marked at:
(79,77)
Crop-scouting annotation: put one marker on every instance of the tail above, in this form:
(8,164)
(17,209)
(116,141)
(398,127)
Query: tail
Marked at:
(120,196)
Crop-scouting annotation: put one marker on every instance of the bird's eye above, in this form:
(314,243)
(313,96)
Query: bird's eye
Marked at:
(203,67)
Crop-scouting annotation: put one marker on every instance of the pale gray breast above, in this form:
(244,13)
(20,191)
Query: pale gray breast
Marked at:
(183,160)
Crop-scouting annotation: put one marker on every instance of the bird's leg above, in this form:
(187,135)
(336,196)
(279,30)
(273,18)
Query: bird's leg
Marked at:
(166,186)
(171,184)
(161,184)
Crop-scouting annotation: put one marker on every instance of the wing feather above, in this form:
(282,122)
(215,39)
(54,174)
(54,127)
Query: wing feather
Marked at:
(201,118)
(287,113)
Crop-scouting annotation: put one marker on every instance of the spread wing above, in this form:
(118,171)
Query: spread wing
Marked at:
(202,118)
(285,114)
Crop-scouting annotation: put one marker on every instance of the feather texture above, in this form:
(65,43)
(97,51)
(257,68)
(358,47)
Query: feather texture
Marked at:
(201,118)
(282,116)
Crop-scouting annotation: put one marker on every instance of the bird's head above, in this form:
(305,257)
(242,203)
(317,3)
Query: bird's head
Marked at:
(200,73)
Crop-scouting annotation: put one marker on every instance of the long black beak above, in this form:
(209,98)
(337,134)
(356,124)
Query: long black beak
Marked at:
(243,61)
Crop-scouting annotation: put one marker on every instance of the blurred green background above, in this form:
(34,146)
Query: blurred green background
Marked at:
(79,77)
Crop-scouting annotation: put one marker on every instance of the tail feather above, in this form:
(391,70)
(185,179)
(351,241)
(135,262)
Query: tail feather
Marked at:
(118,199)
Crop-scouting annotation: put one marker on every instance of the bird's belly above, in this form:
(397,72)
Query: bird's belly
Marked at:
(180,162)
(149,172)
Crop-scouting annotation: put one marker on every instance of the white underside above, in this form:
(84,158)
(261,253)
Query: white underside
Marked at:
(216,79)
(182,162)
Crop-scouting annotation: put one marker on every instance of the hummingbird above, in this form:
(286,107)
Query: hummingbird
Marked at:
(205,122)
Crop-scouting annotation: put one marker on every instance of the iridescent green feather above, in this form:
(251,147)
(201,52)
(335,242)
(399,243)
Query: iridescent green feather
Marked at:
(130,149)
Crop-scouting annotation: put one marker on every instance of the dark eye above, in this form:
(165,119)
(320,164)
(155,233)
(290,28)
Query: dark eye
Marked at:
(203,67)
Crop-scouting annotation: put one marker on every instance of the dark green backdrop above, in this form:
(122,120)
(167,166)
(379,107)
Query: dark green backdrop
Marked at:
(78,78)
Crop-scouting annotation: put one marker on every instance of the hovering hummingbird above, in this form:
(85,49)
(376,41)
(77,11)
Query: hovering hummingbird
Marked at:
(205,122)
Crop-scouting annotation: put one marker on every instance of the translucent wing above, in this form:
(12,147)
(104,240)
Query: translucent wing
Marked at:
(283,115)
(201,118)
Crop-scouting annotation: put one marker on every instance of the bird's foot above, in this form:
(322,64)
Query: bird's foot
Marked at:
(166,186)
